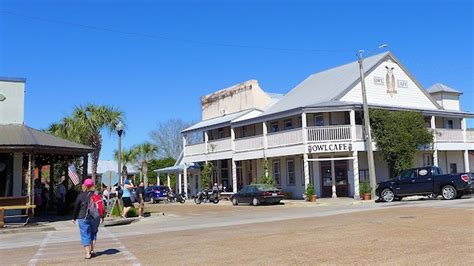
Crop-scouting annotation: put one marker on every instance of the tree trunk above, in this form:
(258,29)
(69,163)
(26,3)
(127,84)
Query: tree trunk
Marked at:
(145,173)
(96,144)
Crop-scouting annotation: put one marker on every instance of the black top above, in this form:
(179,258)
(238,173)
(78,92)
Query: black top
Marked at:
(80,207)
(141,191)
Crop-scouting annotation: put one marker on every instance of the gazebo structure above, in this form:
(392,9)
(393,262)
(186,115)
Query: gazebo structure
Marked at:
(23,149)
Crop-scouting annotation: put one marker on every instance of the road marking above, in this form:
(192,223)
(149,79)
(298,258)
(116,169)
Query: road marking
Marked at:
(40,251)
(124,250)
(61,245)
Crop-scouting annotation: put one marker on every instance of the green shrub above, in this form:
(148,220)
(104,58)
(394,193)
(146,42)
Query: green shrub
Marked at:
(310,191)
(364,187)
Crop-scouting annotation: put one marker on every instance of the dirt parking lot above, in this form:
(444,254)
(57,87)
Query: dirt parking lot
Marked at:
(393,236)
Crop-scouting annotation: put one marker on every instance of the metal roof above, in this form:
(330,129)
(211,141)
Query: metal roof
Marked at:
(323,86)
(20,136)
(217,121)
(12,79)
(438,87)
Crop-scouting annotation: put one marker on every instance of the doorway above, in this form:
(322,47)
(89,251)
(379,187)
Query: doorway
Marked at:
(341,174)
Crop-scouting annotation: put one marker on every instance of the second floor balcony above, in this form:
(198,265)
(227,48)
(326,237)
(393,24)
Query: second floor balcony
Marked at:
(315,134)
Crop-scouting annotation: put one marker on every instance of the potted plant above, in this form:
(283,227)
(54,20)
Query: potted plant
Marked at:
(365,190)
(310,194)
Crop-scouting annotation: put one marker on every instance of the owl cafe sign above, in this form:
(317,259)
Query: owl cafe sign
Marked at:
(330,147)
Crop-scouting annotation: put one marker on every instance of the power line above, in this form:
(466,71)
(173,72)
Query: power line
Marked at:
(163,37)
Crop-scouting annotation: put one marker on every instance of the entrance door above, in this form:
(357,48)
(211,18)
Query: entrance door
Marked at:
(342,185)
(326,179)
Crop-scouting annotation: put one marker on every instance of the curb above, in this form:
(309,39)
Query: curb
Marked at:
(26,229)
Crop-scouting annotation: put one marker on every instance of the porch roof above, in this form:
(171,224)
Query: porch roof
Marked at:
(21,137)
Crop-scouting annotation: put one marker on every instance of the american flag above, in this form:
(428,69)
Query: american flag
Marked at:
(73,174)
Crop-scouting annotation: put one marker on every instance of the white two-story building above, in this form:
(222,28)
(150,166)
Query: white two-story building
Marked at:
(314,134)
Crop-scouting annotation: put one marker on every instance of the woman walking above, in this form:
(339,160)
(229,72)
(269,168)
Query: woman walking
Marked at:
(88,212)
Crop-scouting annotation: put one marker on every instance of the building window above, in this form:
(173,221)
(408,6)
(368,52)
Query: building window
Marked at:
(244,131)
(453,168)
(319,120)
(290,170)
(363,175)
(276,172)
(220,133)
(288,124)
(300,122)
(347,118)
(274,127)
(450,124)
(427,159)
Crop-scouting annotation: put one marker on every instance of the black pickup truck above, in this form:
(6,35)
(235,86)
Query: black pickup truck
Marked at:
(425,181)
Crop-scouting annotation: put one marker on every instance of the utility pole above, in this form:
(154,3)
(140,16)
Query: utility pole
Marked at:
(368,133)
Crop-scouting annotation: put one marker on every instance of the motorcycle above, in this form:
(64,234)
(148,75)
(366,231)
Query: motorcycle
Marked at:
(181,198)
(205,197)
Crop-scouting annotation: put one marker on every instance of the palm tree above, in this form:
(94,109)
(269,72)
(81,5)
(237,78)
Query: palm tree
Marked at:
(145,152)
(85,126)
(129,156)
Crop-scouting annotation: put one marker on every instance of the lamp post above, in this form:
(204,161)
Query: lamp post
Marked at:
(120,132)
(368,133)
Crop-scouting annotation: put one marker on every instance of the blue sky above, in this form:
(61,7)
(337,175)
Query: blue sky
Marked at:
(159,57)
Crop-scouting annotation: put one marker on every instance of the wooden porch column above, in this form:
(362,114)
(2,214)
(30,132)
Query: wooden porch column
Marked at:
(85,162)
(168,179)
(179,183)
(305,155)
(29,174)
(51,184)
(185,179)
(333,175)
(435,148)
(234,176)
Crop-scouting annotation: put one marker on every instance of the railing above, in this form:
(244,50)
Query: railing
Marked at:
(329,133)
(287,137)
(219,145)
(449,135)
(470,135)
(194,149)
(249,143)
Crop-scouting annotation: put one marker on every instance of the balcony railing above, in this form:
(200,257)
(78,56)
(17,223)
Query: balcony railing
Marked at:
(219,145)
(283,138)
(449,135)
(470,135)
(329,133)
(249,143)
(196,149)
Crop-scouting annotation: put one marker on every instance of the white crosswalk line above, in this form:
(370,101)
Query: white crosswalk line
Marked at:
(60,245)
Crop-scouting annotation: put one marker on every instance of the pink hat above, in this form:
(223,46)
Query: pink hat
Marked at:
(89,182)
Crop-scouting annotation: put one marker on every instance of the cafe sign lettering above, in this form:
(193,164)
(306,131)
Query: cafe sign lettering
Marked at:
(330,147)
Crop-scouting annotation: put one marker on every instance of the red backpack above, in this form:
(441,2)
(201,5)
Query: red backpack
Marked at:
(95,208)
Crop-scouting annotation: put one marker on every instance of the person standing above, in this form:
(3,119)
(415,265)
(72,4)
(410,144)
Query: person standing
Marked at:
(141,199)
(88,213)
(126,196)
(61,195)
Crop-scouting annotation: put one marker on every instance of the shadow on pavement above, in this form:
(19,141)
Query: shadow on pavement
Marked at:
(108,252)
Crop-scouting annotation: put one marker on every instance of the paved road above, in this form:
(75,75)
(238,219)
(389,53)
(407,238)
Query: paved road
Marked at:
(62,244)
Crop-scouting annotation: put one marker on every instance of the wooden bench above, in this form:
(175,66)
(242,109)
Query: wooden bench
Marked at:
(15,203)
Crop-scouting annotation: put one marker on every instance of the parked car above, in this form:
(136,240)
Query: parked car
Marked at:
(155,194)
(425,181)
(257,194)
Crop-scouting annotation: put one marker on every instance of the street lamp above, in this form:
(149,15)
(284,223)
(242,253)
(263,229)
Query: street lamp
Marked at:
(370,152)
(120,132)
